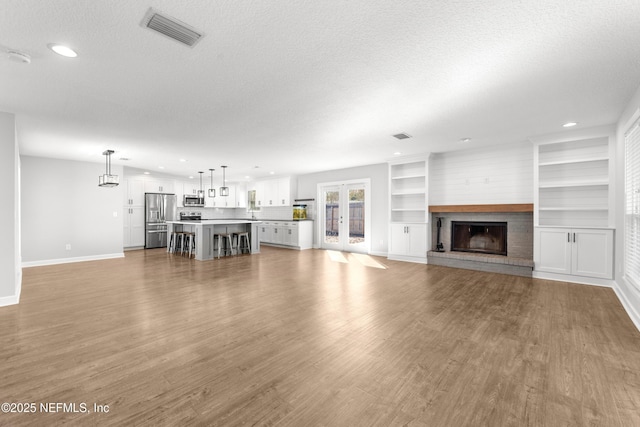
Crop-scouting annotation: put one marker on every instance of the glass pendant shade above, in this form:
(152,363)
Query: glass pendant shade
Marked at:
(201,191)
(212,191)
(224,190)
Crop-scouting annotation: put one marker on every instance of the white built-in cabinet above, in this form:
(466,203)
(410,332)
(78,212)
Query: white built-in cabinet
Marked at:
(133,212)
(133,192)
(133,226)
(294,234)
(574,251)
(274,192)
(408,240)
(408,202)
(574,205)
(159,186)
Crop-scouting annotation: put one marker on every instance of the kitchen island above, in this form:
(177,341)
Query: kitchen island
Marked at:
(206,228)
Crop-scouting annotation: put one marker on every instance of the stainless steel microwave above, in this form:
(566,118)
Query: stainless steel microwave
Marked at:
(193,201)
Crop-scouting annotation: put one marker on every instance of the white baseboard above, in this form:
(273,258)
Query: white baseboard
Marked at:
(631,311)
(418,260)
(10,300)
(376,253)
(70,260)
(607,283)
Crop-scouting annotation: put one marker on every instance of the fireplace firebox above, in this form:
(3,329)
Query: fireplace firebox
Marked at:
(480,237)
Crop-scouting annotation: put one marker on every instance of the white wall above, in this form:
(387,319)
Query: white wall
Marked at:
(62,204)
(627,293)
(501,174)
(379,176)
(10,271)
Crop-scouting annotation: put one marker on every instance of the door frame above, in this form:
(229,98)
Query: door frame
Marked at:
(366,182)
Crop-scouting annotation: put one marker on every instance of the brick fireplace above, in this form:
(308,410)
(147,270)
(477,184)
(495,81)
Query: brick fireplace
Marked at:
(496,238)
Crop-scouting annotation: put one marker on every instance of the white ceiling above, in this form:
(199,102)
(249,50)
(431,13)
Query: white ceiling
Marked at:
(309,85)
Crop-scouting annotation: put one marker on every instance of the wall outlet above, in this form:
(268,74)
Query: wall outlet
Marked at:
(68,246)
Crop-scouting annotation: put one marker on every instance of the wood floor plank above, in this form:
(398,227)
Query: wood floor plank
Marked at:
(290,338)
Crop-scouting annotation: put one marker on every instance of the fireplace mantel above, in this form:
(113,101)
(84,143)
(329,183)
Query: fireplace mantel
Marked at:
(513,207)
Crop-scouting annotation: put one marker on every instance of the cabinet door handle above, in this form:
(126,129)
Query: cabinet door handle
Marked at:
(574,237)
(569,237)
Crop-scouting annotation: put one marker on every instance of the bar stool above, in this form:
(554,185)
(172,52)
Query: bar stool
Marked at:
(225,244)
(177,241)
(242,242)
(189,244)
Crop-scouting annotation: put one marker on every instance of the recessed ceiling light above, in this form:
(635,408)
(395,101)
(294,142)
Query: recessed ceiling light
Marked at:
(402,136)
(147,173)
(183,160)
(272,173)
(160,167)
(124,158)
(465,139)
(62,50)
(190,176)
(397,153)
(569,124)
(247,177)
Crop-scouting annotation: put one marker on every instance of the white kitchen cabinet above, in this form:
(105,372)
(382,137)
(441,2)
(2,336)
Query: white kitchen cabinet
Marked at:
(225,201)
(191,188)
(584,252)
(266,232)
(158,186)
(274,192)
(241,195)
(133,192)
(258,186)
(291,234)
(133,220)
(278,236)
(408,242)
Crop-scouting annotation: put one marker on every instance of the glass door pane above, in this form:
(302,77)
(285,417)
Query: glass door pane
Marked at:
(356,222)
(332,218)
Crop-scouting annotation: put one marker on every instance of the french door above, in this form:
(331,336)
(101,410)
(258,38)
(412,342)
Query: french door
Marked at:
(345,216)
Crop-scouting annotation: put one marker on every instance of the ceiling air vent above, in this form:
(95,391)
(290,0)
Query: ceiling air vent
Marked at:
(402,136)
(171,27)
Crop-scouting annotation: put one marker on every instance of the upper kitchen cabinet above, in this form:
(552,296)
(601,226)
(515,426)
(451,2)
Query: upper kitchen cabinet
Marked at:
(191,188)
(159,186)
(573,175)
(134,190)
(225,201)
(241,195)
(275,192)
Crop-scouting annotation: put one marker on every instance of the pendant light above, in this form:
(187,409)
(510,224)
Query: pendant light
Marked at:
(224,190)
(212,191)
(201,191)
(108,180)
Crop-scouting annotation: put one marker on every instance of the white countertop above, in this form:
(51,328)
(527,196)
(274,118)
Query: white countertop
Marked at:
(214,221)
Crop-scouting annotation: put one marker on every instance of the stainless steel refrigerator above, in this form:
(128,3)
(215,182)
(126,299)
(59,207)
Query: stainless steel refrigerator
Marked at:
(159,209)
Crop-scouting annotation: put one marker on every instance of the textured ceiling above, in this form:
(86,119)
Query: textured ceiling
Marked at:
(304,86)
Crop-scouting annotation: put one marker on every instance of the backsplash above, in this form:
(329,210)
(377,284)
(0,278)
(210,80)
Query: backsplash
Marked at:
(281,213)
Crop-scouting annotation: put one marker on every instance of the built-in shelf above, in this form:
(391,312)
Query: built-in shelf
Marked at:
(408,190)
(510,207)
(568,162)
(408,176)
(573,172)
(573,184)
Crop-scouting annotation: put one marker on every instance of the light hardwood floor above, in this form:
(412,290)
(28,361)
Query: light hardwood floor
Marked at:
(308,338)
